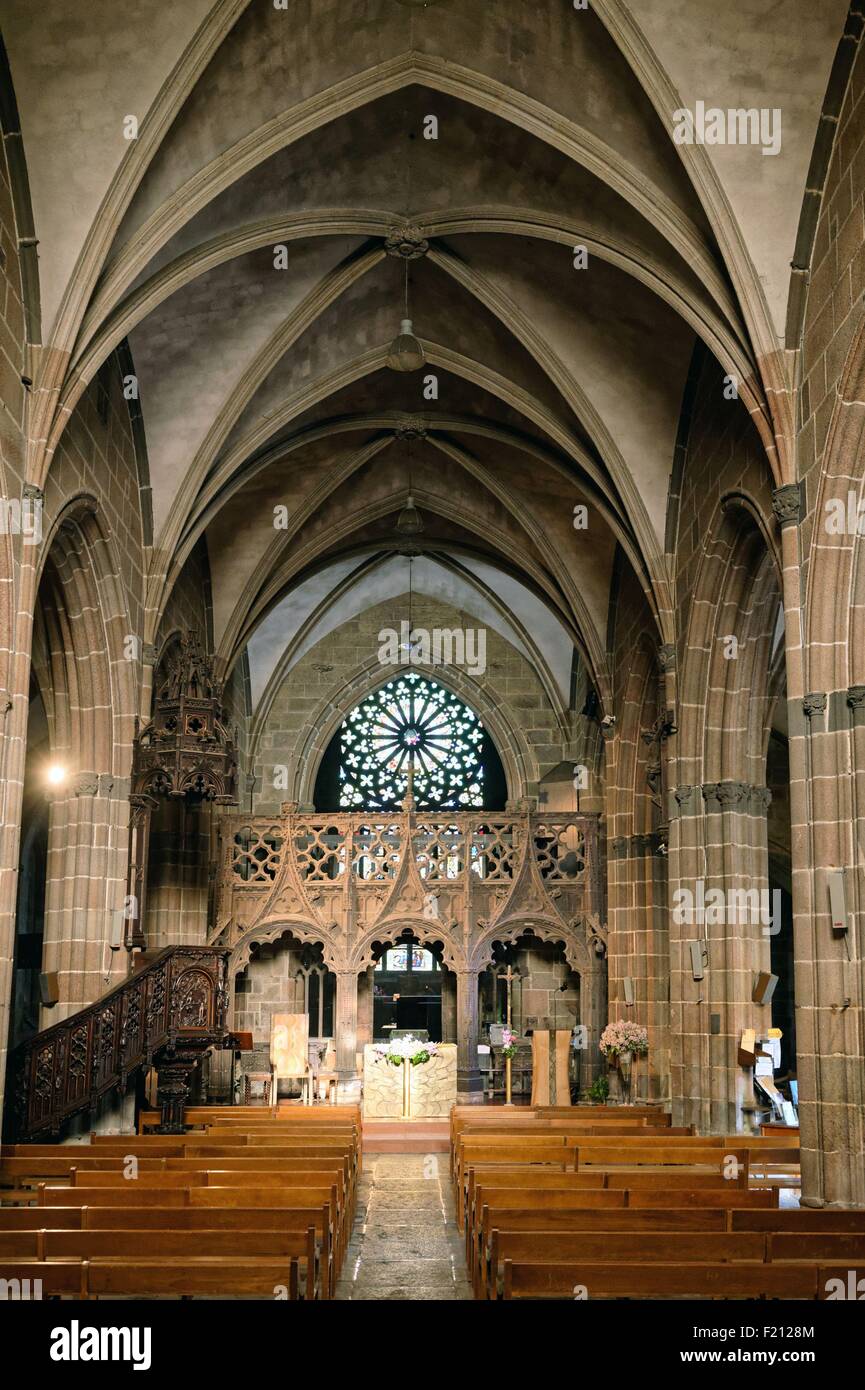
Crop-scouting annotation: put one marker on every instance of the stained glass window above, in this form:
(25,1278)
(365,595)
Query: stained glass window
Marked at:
(403,958)
(411,715)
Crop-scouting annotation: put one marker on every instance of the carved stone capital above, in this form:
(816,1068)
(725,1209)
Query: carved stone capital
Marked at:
(32,493)
(732,793)
(787,504)
(711,792)
(667,657)
(407,242)
(815,703)
(148,654)
(856,697)
(85,784)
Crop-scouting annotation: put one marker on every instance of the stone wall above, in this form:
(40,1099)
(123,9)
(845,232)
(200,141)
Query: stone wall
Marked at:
(509,683)
(13,682)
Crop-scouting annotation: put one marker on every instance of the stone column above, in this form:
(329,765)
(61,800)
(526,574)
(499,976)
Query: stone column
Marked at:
(469,1079)
(593,1013)
(85,888)
(449,1007)
(828,961)
(345,1031)
(688,1014)
(178,884)
(742,947)
(141,809)
(366,1000)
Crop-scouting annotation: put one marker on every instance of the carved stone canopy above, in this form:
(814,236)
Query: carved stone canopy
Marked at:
(187,749)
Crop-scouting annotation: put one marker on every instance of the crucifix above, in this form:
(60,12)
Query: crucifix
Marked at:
(508,975)
(408,799)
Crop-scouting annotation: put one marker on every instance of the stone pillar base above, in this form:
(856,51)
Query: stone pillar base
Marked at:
(470,1087)
(349,1089)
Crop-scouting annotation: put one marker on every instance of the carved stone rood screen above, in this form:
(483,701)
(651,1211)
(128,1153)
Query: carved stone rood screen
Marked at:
(463,881)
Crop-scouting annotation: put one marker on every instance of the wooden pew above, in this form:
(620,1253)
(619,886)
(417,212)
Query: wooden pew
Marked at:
(563,1199)
(728,1196)
(606,1247)
(541,1218)
(542,1179)
(692,1280)
(299,1114)
(492,1205)
(815,1245)
(800,1219)
(554,1150)
(58,1278)
(234,1277)
(164,1218)
(122,1244)
(77,1165)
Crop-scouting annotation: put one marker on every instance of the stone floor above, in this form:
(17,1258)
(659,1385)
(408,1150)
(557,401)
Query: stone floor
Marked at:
(405,1244)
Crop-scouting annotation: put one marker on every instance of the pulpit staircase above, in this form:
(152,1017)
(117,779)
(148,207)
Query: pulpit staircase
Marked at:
(166,1015)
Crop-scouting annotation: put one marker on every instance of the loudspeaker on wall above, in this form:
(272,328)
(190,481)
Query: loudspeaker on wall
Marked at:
(49,989)
(764,987)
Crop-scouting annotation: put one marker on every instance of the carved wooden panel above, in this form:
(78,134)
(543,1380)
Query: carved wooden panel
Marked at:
(180,996)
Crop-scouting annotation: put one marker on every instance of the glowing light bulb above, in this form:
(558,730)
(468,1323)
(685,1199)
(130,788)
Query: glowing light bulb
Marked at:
(56,774)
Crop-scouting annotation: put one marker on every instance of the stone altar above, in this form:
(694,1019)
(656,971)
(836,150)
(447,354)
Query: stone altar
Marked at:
(433,1085)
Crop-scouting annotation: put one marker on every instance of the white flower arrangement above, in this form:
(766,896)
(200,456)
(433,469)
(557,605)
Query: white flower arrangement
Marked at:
(408,1049)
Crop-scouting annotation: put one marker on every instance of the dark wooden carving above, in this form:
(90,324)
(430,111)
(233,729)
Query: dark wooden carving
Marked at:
(167,1015)
(186,750)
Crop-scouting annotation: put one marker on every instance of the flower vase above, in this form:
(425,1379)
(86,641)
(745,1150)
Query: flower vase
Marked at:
(613,1070)
(625,1072)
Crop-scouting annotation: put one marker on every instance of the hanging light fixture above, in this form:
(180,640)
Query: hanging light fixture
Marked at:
(409,522)
(408,645)
(406,351)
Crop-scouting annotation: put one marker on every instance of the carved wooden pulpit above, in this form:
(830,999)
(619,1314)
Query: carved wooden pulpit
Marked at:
(550,1065)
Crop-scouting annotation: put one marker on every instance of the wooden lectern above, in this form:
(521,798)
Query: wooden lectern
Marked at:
(550,1070)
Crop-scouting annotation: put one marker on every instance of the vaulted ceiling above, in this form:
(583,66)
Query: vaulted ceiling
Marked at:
(263,376)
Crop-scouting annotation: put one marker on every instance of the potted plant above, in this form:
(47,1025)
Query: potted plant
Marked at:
(598,1091)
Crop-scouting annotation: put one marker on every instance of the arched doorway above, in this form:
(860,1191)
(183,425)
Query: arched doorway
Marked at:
(407,991)
(545,993)
(285,976)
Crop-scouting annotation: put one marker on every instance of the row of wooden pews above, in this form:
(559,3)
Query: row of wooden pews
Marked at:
(604,1202)
(252,1202)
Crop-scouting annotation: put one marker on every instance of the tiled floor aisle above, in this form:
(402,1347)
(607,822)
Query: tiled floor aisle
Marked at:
(405,1243)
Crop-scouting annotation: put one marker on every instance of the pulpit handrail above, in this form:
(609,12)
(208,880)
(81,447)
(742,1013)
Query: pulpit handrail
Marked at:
(177,997)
